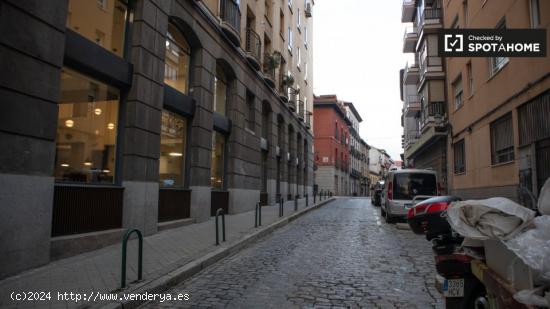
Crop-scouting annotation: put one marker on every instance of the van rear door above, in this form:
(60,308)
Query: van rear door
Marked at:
(408,185)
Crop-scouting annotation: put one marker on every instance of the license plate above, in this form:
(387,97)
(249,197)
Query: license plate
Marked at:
(453,288)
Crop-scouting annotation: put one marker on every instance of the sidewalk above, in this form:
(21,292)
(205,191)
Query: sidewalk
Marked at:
(99,271)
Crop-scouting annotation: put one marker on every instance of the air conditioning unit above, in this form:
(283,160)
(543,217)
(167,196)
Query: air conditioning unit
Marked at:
(309,9)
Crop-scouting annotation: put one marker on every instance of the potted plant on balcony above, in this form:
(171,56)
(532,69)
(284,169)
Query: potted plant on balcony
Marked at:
(273,60)
(288,80)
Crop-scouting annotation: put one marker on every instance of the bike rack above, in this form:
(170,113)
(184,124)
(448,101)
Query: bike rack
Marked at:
(281,207)
(218,212)
(258,215)
(140,256)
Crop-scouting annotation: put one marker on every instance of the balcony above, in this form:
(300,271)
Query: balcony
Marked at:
(230,15)
(268,71)
(283,89)
(308,119)
(435,115)
(411,74)
(292,98)
(412,105)
(300,110)
(409,138)
(407,11)
(431,67)
(430,18)
(410,38)
(253,48)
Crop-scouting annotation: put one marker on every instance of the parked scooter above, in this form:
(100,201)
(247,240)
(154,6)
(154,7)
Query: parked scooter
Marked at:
(460,287)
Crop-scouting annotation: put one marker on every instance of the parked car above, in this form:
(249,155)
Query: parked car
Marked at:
(377,192)
(404,188)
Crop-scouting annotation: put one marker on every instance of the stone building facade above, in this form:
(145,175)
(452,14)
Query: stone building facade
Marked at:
(146,114)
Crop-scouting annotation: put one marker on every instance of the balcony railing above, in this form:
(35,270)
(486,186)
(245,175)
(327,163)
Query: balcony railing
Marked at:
(435,111)
(412,105)
(300,110)
(292,98)
(269,71)
(308,119)
(231,14)
(431,14)
(253,45)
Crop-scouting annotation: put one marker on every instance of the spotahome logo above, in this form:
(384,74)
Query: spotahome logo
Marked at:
(492,42)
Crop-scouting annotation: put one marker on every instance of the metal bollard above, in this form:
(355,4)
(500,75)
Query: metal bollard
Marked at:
(307,200)
(218,212)
(281,207)
(258,215)
(296,202)
(140,256)
(314,197)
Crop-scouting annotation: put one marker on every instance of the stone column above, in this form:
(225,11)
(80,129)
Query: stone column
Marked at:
(143,108)
(32,49)
(200,138)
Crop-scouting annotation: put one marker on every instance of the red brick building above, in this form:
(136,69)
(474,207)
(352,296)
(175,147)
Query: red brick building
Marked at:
(331,156)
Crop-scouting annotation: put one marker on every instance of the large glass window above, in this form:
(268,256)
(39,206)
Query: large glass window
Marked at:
(172,150)
(103,22)
(86,130)
(176,66)
(220,91)
(217,164)
(408,185)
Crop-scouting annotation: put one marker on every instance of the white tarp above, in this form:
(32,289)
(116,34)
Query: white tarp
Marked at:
(533,247)
(544,198)
(494,218)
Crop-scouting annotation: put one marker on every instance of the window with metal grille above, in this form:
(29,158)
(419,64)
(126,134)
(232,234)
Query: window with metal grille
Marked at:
(459,157)
(502,140)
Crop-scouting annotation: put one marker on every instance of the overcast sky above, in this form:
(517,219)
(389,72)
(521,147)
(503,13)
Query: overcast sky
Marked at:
(357,56)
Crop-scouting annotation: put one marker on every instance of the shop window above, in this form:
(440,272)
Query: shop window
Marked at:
(217,163)
(177,58)
(86,130)
(103,22)
(502,140)
(172,150)
(220,91)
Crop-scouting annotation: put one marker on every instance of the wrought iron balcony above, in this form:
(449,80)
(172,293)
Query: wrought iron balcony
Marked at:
(435,113)
(308,119)
(292,98)
(230,15)
(269,71)
(283,89)
(300,110)
(253,48)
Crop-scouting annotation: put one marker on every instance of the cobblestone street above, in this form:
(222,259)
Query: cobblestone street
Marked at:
(341,256)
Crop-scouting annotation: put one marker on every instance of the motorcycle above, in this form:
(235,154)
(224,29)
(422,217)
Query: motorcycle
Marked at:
(462,290)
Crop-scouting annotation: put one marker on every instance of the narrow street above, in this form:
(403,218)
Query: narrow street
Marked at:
(341,256)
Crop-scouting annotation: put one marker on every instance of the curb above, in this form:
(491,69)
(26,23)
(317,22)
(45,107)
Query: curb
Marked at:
(186,271)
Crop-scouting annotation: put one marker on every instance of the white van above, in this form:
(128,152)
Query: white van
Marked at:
(404,188)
